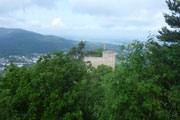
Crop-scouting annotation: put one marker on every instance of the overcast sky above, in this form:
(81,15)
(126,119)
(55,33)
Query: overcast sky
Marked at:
(95,20)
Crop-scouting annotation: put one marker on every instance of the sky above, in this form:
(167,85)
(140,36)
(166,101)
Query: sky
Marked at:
(91,20)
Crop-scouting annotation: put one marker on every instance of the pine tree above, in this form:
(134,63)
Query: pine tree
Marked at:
(167,59)
(171,35)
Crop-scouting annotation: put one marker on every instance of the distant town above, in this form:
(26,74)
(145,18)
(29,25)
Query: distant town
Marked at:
(18,60)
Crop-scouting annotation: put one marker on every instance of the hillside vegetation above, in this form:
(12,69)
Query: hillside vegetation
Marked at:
(22,42)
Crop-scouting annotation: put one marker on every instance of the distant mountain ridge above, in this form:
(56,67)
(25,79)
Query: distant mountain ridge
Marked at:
(22,42)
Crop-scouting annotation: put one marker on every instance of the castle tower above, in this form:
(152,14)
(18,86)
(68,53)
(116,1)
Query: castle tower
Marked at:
(108,58)
(104,46)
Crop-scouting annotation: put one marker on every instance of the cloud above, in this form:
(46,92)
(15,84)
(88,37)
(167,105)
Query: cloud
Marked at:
(122,14)
(57,22)
(8,5)
(34,22)
(85,19)
(116,7)
(3,19)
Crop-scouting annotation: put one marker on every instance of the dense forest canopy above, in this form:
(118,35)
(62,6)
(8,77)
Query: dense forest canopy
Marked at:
(144,86)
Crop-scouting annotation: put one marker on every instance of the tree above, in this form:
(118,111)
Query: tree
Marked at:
(173,21)
(95,53)
(78,52)
(57,87)
(48,90)
(168,55)
(93,91)
(131,91)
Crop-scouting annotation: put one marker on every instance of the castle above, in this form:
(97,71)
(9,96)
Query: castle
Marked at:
(108,58)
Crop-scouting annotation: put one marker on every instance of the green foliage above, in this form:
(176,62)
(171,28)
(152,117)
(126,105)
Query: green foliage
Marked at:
(173,21)
(144,86)
(169,57)
(131,91)
(49,90)
(95,53)
(94,89)
(78,52)
(167,75)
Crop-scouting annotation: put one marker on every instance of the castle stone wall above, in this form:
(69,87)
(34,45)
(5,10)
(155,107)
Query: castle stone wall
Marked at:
(108,59)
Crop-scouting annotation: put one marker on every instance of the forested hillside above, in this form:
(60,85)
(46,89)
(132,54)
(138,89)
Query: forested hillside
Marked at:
(21,42)
(144,86)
